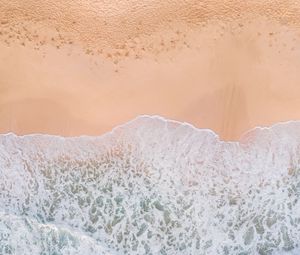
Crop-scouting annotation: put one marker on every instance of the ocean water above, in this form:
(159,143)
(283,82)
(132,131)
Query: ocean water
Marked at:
(151,186)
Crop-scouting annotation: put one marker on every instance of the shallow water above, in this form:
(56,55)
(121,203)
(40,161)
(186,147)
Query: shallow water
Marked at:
(151,186)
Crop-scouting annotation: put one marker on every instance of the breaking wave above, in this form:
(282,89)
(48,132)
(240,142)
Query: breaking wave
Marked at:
(151,186)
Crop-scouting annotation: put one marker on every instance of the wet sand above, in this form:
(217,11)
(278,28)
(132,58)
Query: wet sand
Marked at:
(73,68)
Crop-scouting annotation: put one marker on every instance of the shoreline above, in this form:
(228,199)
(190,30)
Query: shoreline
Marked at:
(167,121)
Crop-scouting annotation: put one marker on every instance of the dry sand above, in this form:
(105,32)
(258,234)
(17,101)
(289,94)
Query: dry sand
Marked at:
(83,67)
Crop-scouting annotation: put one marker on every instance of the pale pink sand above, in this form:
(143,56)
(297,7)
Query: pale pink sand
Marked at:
(83,67)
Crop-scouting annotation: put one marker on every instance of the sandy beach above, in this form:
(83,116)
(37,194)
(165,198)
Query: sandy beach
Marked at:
(84,67)
(154,184)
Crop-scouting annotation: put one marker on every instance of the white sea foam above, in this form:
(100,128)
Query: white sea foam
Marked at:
(151,186)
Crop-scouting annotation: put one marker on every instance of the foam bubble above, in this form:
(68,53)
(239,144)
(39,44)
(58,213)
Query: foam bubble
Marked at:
(152,186)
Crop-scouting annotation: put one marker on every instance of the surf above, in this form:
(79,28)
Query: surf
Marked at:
(151,186)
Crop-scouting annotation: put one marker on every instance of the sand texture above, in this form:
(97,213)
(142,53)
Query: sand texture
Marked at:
(84,67)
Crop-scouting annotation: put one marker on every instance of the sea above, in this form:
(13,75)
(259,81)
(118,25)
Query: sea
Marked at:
(151,186)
